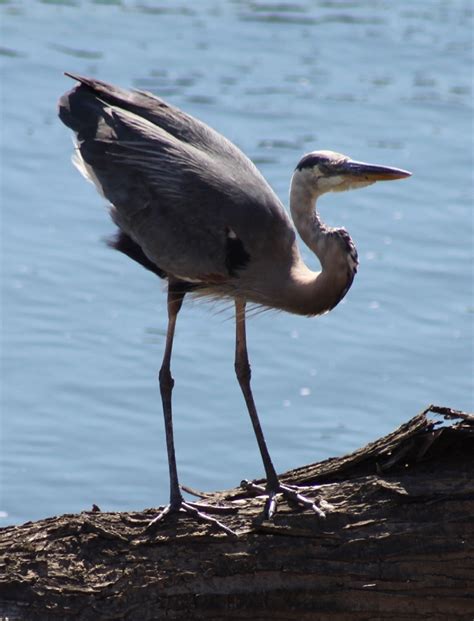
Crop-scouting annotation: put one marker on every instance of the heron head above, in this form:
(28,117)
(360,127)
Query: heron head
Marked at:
(328,171)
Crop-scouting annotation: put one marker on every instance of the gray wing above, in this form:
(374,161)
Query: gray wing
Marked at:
(176,186)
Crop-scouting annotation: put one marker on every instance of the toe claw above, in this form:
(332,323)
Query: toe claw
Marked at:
(203,517)
(291,493)
(152,524)
(213,508)
(193,511)
(270,506)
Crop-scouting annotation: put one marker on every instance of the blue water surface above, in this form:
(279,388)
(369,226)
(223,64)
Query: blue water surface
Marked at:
(83,327)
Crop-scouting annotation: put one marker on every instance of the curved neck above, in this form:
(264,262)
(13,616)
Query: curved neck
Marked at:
(319,292)
(306,218)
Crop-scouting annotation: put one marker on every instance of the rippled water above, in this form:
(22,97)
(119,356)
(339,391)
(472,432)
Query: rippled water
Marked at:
(83,328)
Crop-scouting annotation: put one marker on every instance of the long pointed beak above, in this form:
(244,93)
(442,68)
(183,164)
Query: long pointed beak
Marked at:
(372,172)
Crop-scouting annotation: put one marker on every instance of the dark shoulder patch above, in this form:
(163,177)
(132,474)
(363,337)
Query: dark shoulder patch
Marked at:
(236,257)
(124,243)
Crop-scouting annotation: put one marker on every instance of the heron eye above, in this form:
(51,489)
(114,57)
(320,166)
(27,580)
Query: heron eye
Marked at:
(326,167)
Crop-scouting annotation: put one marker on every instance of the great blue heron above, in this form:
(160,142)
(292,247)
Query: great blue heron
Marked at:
(193,209)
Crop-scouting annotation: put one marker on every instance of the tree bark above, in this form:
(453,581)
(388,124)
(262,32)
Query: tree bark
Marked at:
(398,543)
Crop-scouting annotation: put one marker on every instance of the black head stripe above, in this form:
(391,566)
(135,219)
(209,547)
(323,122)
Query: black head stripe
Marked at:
(310,160)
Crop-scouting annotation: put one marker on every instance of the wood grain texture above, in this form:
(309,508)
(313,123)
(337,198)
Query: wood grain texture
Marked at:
(397,544)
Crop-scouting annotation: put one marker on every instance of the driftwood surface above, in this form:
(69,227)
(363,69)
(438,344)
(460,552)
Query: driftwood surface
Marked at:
(397,544)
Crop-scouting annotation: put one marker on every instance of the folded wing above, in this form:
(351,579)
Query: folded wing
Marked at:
(176,187)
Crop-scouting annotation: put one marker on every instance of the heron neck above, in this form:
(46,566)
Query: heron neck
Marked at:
(306,218)
(318,292)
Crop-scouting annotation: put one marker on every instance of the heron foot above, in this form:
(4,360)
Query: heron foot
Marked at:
(195,511)
(291,493)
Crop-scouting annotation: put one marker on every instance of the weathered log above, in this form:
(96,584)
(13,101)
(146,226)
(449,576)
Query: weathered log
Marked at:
(397,544)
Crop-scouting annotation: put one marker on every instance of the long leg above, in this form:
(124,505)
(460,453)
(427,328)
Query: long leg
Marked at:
(175,301)
(176,294)
(243,372)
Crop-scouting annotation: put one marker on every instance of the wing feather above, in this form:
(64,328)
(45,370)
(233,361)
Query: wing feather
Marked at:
(176,186)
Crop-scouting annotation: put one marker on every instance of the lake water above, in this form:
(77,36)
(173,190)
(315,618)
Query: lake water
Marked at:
(83,327)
